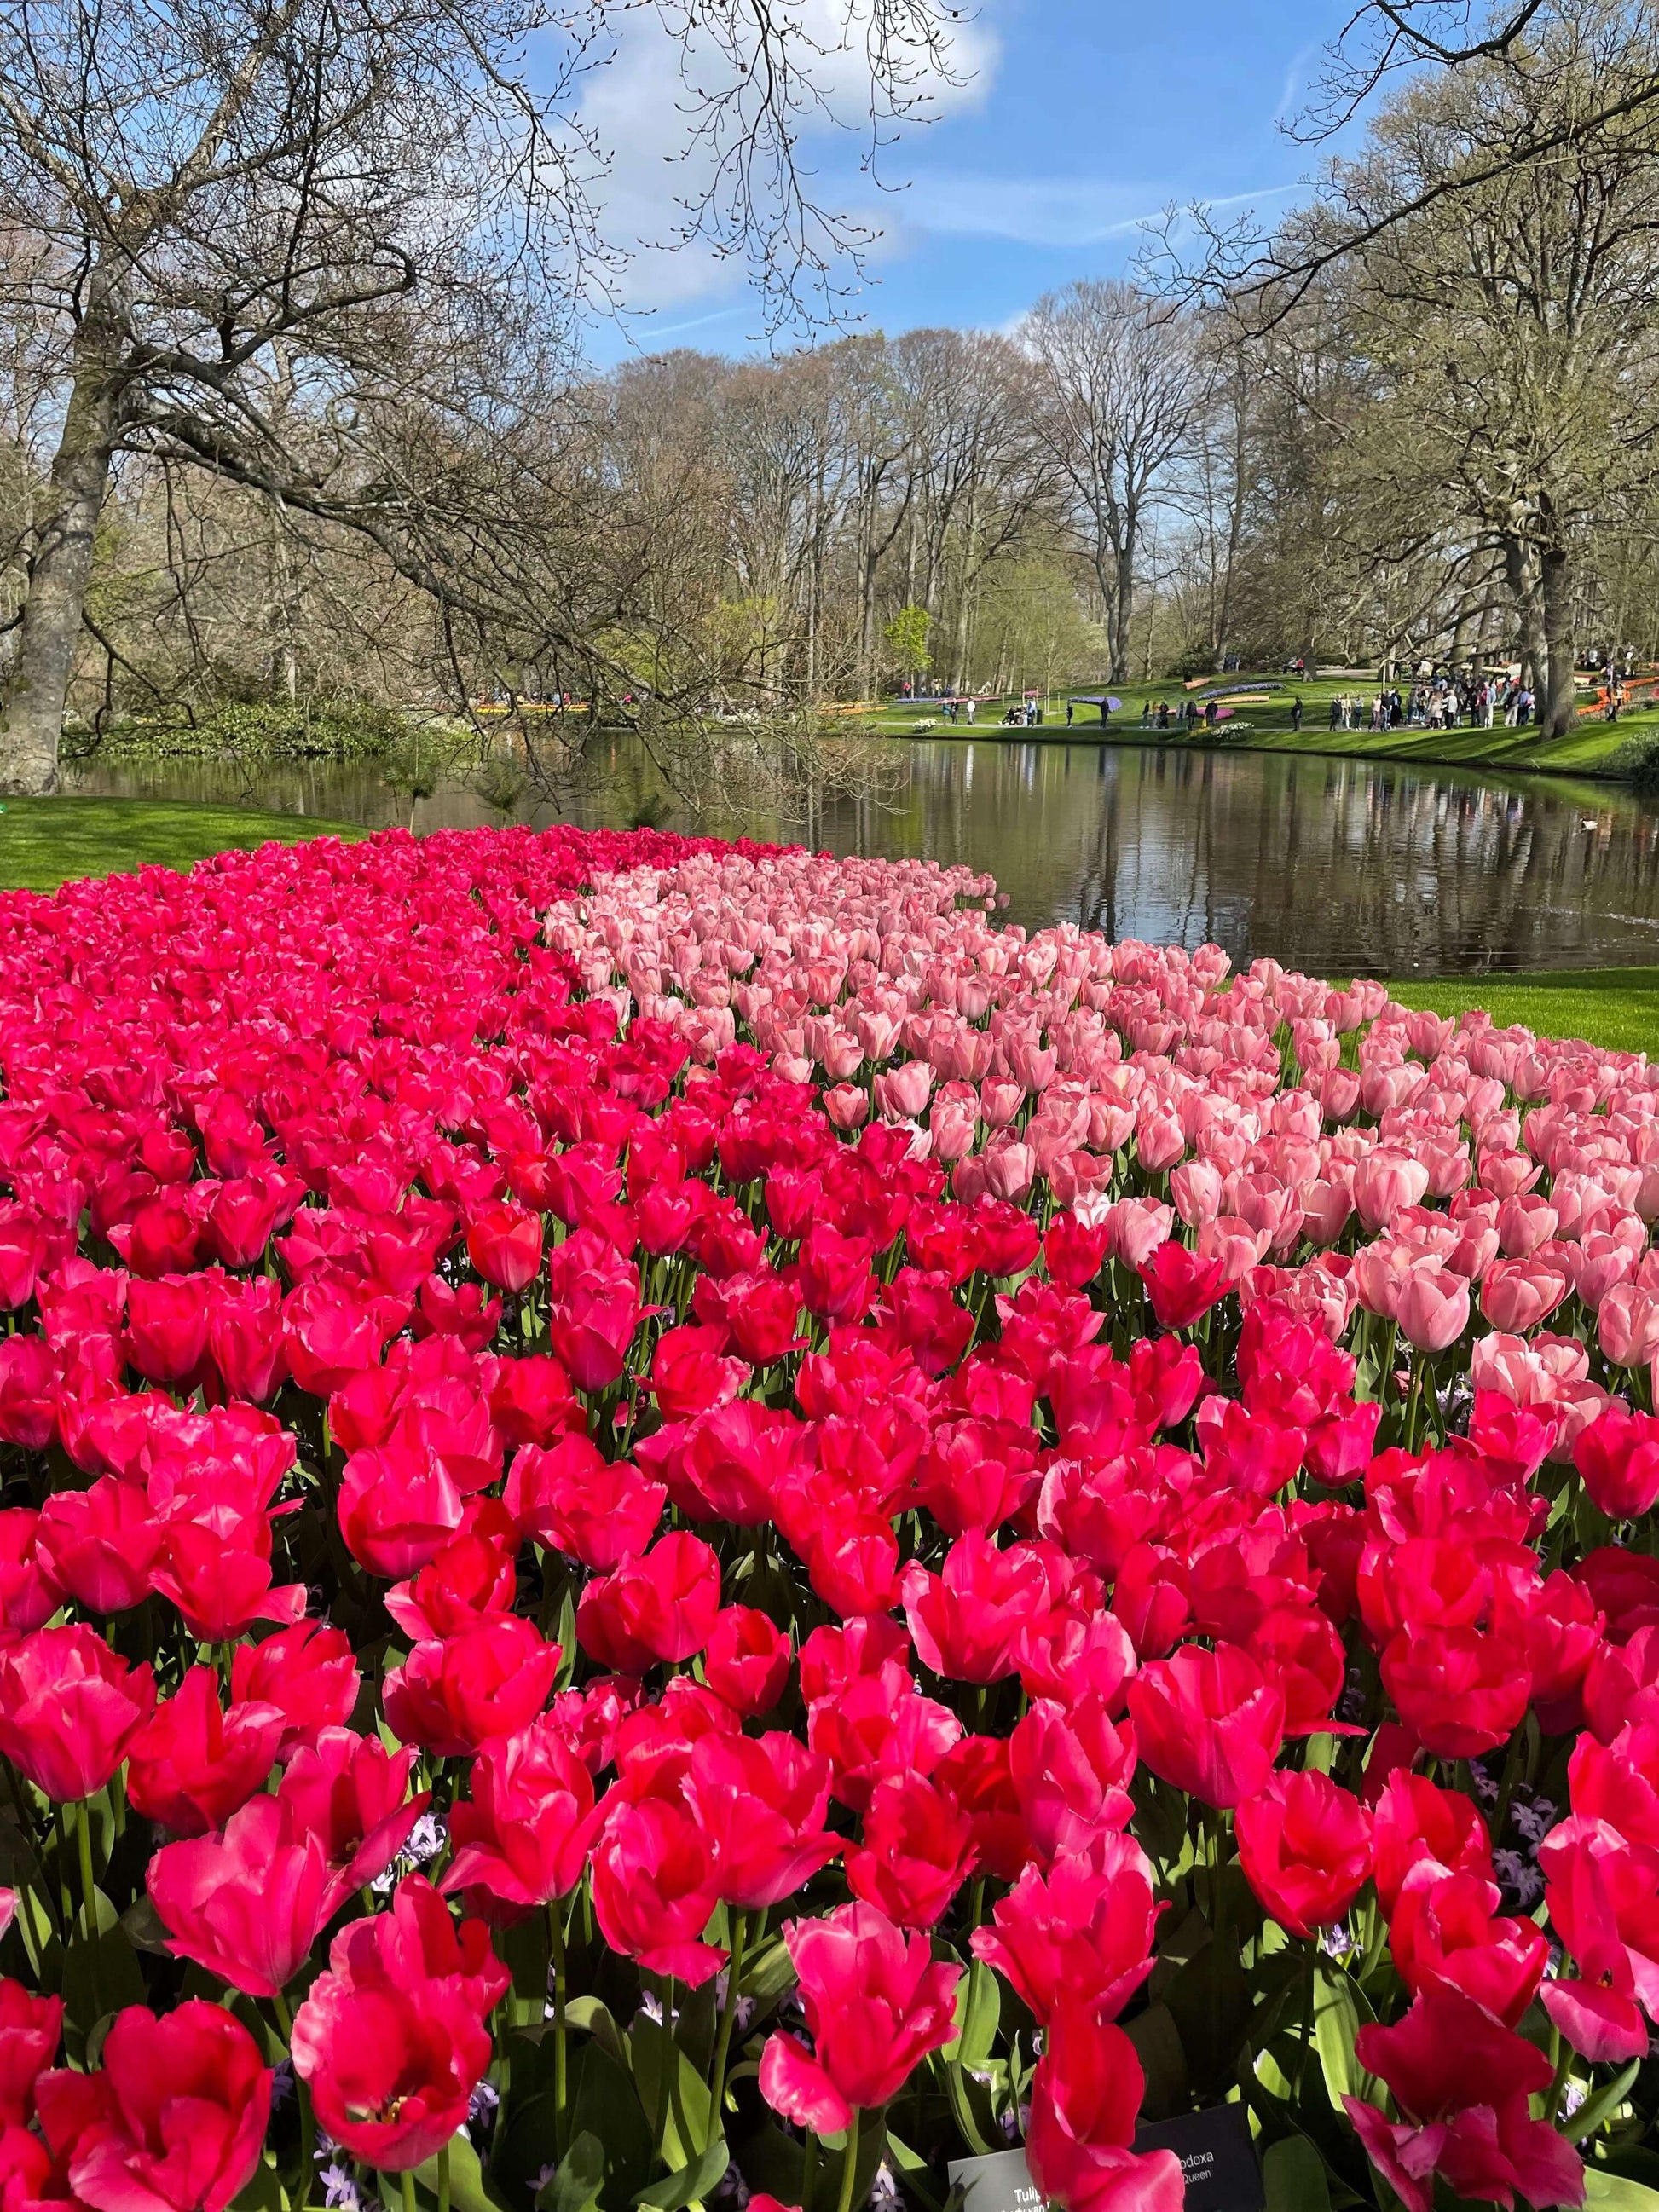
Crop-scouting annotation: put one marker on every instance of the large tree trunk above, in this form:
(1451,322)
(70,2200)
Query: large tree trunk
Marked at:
(1557,694)
(1123,600)
(50,627)
(1520,578)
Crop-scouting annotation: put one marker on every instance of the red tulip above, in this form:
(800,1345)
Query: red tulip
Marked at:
(1208,1722)
(568,1497)
(349,1791)
(1086,2097)
(1461,2081)
(1182,1286)
(1444,1935)
(1074,1252)
(964,1619)
(833,1274)
(391,2040)
(30,2027)
(530,1401)
(99,1546)
(505,1246)
(761,1802)
(1085,1928)
(398,1507)
(660,1606)
(876,2004)
(192,1764)
(655,1886)
(1460,1690)
(329,1334)
(249,1904)
(747,1661)
(221,1586)
(1305,1846)
(244,1340)
(28,1593)
(28,1392)
(876,1725)
(167,1326)
(1071,1771)
(595,1309)
(1415,1819)
(915,1853)
(307,1672)
(69,1708)
(523,1838)
(1601,1895)
(183,2105)
(1618,1456)
(471,1578)
(757,1310)
(490,1679)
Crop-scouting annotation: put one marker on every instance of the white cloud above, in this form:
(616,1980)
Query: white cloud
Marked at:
(1299,61)
(1048,211)
(1029,210)
(642,108)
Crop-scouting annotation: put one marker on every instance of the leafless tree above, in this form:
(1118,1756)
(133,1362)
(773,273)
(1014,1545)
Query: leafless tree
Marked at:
(210,204)
(1117,384)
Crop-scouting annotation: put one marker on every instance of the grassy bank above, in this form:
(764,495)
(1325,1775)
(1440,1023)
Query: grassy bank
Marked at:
(1614,1007)
(48,841)
(1587,750)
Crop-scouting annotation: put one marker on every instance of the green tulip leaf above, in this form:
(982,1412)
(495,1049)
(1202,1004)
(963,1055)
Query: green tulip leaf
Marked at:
(1294,2174)
(700,2179)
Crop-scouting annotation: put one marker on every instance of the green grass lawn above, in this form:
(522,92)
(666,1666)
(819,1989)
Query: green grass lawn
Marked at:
(1585,751)
(48,841)
(1613,1006)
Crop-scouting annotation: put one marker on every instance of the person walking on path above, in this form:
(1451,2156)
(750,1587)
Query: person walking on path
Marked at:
(1296,714)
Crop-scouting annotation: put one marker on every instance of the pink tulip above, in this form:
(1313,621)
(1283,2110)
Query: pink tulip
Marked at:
(1434,1307)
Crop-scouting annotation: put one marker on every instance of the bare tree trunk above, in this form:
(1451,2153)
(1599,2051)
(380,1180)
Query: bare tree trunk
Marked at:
(1523,590)
(1556,701)
(959,641)
(50,628)
(1123,596)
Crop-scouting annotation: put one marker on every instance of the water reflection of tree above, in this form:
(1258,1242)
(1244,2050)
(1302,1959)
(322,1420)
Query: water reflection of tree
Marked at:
(1331,866)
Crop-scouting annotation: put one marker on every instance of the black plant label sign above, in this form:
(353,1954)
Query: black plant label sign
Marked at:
(1217,2162)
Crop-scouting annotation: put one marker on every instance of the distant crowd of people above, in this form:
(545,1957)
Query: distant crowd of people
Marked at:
(1440,702)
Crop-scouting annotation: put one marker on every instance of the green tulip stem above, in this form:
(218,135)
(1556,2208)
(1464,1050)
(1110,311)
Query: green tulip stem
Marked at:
(66,1894)
(408,2178)
(808,2173)
(850,2165)
(664,2086)
(443,2179)
(561,2040)
(728,2015)
(1310,2005)
(89,1885)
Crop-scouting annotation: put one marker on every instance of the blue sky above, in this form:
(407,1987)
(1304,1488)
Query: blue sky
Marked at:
(1083,118)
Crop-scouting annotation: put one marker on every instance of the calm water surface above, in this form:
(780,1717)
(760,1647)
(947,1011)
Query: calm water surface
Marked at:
(1335,866)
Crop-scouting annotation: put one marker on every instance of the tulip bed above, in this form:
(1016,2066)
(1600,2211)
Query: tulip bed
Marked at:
(683,1526)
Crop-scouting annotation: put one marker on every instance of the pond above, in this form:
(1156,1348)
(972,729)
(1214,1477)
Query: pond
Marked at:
(1336,866)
